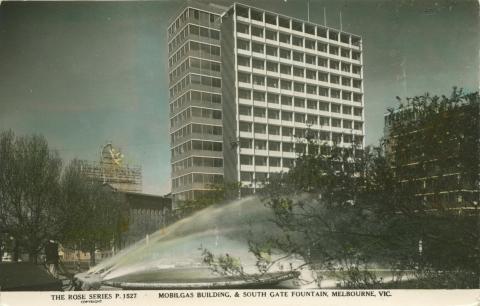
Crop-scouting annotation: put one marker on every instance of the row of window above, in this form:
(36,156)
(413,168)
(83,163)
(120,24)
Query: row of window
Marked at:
(296,71)
(300,103)
(190,162)
(194,63)
(199,145)
(191,194)
(284,131)
(203,32)
(202,64)
(274,82)
(179,54)
(178,23)
(301,118)
(444,183)
(179,86)
(155,216)
(194,15)
(195,96)
(205,80)
(246,176)
(178,40)
(286,100)
(297,56)
(197,178)
(179,71)
(265,161)
(195,112)
(262,96)
(194,128)
(277,146)
(298,41)
(195,79)
(194,46)
(295,25)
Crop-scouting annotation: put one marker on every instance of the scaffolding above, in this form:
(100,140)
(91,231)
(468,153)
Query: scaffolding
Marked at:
(111,170)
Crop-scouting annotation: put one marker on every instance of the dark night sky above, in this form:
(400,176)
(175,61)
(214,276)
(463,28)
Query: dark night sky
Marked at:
(84,73)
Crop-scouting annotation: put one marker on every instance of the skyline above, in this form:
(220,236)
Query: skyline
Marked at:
(86,73)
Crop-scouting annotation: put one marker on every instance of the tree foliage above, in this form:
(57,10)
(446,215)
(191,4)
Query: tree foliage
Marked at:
(433,149)
(325,206)
(94,214)
(350,210)
(433,146)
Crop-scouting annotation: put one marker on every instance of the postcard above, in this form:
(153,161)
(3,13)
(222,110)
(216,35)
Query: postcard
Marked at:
(211,151)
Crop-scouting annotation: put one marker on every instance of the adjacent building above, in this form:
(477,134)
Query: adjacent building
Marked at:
(247,84)
(143,214)
(147,213)
(194,64)
(434,150)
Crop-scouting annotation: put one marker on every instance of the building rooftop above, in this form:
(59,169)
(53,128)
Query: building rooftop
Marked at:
(296,19)
(220,9)
(201,5)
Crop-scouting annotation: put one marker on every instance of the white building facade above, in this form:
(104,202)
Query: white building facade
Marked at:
(245,87)
(281,78)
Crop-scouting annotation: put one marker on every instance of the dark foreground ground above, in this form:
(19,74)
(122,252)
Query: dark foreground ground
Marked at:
(27,277)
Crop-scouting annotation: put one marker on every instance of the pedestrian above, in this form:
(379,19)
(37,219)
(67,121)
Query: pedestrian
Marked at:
(51,254)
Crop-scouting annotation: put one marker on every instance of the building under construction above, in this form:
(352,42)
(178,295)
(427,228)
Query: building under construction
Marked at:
(111,170)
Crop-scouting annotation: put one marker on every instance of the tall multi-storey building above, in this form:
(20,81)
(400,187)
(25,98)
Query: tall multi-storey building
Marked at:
(242,116)
(283,77)
(433,148)
(195,100)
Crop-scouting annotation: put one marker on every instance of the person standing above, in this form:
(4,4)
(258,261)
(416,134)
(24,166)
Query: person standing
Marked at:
(51,254)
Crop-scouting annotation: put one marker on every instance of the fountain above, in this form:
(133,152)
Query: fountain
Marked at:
(172,258)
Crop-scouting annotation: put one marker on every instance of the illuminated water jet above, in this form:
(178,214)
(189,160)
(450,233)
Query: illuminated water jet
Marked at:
(172,257)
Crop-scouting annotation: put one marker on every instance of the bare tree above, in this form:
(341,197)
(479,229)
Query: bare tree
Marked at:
(29,191)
